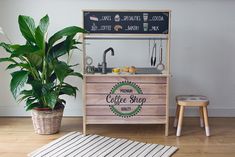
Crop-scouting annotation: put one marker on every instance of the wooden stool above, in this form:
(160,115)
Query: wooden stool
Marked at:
(191,100)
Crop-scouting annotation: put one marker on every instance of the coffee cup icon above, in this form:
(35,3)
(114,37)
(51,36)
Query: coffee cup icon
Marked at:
(145,17)
(145,25)
(94,27)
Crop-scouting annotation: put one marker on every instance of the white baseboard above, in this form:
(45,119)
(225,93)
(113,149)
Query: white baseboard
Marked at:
(10,111)
(13,111)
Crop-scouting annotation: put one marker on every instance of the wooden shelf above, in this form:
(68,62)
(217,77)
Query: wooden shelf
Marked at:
(126,36)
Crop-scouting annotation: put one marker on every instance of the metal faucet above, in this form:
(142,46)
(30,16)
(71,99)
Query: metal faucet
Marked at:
(104,63)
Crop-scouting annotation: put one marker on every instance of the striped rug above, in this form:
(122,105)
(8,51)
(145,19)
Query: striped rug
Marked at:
(75,144)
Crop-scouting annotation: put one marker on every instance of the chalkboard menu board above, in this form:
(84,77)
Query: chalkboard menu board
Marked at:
(120,22)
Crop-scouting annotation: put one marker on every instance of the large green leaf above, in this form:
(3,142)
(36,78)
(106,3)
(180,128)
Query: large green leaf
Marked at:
(27,27)
(23,98)
(26,94)
(32,105)
(8,59)
(21,65)
(63,47)
(35,59)
(51,99)
(70,42)
(65,32)
(19,79)
(40,32)
(58,50)
(29,101)
(44,23)
(76,74)
(39,35)
(36,87)
(11,66)
(50,71)
(62,70)
(8,47)
(47,88)
(24,49)
(68,90)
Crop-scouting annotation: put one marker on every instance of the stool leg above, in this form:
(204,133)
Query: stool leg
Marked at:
(201,117)
(176,115)
(181,114)
(205,113)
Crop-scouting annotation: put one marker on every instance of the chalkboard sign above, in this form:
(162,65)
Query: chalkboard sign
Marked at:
(120,22)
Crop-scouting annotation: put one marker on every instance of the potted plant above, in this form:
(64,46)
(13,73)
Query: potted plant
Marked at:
(39,72)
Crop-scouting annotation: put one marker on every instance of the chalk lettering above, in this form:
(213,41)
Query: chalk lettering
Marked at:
(131,18)
(133,28)
(105,27)
(106,18)
(155,28)
(157,18)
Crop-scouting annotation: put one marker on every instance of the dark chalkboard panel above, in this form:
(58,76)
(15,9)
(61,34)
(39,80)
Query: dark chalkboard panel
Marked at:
(120,22)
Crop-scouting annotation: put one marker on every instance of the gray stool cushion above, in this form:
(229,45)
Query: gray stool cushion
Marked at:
(192,98)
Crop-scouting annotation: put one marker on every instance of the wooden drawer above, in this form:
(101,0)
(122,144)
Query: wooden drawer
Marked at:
(159,110)
(100,99)
(136,79)
(130,120)
(104,88)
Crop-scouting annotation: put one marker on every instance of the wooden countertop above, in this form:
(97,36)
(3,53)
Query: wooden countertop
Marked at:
(131,75)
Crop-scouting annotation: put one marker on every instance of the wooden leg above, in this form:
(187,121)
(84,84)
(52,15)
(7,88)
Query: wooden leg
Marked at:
(201,117)
(84,126)
(167,128)
(176,115)
(205,113)
(181,114)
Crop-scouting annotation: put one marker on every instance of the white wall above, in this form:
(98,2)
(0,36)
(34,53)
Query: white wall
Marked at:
(202,48)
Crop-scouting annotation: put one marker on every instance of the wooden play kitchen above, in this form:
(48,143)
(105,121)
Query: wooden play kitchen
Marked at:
(127,95)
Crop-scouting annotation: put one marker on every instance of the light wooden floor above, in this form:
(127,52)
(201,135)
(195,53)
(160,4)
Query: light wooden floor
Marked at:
(17,137)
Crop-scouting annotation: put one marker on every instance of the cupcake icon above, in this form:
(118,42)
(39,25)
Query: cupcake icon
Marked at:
(117,18)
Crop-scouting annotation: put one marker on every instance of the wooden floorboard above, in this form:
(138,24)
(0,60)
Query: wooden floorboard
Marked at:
(17,137)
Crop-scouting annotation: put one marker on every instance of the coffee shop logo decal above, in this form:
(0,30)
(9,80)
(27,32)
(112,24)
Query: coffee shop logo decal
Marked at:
(125,99)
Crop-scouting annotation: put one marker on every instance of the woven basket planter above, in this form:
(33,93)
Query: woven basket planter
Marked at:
(46,121)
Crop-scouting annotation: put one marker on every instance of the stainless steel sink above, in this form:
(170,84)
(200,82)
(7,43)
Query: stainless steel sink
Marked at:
(147,71)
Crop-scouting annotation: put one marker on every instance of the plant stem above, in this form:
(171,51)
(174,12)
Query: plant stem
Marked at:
(44,71)
(33,71)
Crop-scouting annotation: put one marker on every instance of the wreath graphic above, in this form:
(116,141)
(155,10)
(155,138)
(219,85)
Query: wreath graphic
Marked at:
(133,112)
